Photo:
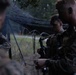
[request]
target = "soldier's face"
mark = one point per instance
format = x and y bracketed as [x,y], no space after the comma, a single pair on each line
[2,18]
[68,14]
[58,26]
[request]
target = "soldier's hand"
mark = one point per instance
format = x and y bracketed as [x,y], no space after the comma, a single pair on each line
[38,50]
[40,62]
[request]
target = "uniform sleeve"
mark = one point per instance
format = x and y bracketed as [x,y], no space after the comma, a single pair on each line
[61,66]
[68,58]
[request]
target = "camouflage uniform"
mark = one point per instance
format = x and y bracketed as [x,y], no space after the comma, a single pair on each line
[53,43]
[66,65]
[7,66]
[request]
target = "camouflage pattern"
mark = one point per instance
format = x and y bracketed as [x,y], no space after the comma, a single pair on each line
[66,64]
[8,66]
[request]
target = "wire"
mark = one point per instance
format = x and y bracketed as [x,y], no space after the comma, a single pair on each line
[16,43]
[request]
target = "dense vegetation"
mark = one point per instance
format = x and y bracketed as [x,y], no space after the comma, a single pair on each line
[42,9]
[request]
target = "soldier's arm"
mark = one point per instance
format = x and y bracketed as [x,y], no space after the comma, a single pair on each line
[61,65]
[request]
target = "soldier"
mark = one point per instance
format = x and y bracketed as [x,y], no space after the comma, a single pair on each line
[54,41]
[7,66]
[66,65]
